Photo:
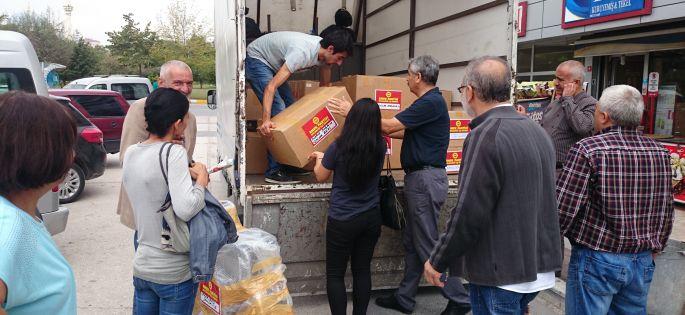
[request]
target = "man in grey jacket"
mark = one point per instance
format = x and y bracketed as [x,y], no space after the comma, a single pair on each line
[505,223]
[569,118]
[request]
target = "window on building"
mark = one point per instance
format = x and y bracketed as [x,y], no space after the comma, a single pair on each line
[671,68]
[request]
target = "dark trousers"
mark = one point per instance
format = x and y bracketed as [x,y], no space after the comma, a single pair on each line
[353,240]
[426,192]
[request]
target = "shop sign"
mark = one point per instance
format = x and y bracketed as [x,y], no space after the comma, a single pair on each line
[521,18]
[586,12]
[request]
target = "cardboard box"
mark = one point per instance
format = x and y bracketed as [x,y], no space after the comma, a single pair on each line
[255,154]
[447,95]
[253,108]
[306,126]
[391,93]
[454,156]
[459,125]
[301,88]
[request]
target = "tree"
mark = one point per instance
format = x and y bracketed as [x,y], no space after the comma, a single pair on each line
[84,61]
[131,45]
[180,24]
[45,33]
[201,60]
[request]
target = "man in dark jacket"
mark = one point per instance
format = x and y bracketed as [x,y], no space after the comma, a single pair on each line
[505,225]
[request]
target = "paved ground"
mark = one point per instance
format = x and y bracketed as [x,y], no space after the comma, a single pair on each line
[100,249]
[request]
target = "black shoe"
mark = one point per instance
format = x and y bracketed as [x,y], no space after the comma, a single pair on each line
[391,302]
[279,177]
[454,308]
[295,171]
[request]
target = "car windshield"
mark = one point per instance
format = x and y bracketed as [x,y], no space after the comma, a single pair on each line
[75,86]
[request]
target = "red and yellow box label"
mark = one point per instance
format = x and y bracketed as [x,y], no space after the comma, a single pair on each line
[210,296]
[459,128]
[453,161]
[320,126]
[389,99]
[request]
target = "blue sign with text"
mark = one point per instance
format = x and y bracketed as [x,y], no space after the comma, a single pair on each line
[579,10]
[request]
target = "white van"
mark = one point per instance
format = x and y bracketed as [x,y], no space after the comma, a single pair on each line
[20,70]
[131,87]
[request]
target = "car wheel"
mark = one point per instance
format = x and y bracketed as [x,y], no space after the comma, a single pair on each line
[73,184]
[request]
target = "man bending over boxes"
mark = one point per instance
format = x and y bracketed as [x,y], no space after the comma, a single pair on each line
[272,58]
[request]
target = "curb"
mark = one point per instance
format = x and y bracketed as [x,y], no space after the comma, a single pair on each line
[198,102]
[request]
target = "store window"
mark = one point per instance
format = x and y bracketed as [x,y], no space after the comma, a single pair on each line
[523,60]
[670,104]
[547,58]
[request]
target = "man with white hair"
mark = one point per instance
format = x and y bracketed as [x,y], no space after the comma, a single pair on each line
[568,118]
[616,207]
[173,74]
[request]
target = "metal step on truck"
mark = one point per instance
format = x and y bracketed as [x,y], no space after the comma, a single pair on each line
[389,32]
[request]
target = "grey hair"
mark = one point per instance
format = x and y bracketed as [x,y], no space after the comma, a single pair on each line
[623,103]
[427,66]
[575,68]
[167,66]
[490,78]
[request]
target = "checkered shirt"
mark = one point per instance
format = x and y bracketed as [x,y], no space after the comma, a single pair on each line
[615,193]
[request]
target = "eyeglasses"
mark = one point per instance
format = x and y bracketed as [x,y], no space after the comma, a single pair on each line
[461,88]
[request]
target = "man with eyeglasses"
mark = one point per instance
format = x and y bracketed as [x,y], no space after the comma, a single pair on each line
[173,74]
[569,118]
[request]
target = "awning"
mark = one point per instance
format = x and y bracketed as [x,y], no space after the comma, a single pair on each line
[608,49]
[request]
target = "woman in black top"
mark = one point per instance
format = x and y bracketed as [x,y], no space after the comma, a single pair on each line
[354,218]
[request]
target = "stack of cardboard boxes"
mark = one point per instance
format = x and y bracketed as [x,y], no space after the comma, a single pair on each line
[459,129]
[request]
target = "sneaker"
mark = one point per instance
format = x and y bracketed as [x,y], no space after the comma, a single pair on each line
[295,171]
[454,308]
[279,177]
[390,302]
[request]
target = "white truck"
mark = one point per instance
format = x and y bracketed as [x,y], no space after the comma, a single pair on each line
[389,33]
[20,70]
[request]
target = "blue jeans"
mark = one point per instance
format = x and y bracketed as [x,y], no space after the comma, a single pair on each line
[608,283]
[496,301]
[259,75]
[168,299]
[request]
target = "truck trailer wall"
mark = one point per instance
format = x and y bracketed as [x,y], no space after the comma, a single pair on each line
[453,32]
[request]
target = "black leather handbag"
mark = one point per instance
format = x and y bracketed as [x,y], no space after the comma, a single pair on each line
[392,208]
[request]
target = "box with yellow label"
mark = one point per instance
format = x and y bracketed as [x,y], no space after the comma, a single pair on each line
[391,93]
[459,125]
[306,126]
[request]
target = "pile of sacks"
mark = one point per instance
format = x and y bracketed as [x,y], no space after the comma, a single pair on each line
[248,276]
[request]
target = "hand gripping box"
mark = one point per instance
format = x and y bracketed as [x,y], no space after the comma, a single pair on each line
[306,126]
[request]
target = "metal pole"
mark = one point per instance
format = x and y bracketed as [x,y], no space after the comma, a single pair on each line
[513,18]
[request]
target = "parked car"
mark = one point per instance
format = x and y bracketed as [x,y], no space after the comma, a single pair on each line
[90,158]
[105,109]
[20,70]
[131,87]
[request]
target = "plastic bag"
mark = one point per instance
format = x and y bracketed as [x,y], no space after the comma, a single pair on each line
[248,276]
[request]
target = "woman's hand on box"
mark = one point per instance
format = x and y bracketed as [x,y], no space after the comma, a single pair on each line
[339,106]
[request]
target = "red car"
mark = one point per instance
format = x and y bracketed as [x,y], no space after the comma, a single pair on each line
[105,109]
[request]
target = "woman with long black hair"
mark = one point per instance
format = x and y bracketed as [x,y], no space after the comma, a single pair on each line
[354,218]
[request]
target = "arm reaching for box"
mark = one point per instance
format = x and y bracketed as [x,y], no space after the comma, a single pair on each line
[279,79]
[390,126]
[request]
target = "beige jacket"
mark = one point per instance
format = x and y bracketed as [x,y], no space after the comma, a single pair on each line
[134,131]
